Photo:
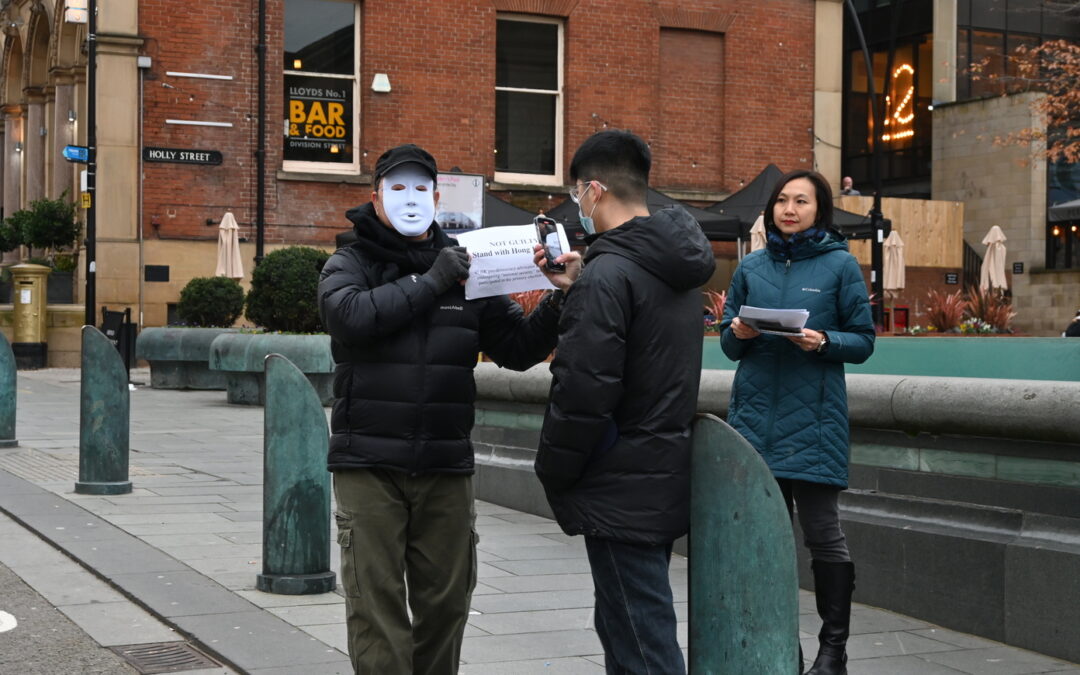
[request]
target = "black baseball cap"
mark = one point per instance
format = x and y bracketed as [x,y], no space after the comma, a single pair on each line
[404,154]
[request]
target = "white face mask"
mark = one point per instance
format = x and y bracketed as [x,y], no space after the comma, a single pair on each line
[411,207]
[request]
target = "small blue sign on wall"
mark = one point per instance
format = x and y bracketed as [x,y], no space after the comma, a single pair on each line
[79,154]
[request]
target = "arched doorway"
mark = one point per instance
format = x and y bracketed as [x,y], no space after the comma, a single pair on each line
[37,97]
[13,112]
[67,75]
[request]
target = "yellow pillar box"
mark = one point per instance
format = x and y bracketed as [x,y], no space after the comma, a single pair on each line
[28,295]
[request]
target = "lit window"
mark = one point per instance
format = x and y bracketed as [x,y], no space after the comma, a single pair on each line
[321,62]
[528,100]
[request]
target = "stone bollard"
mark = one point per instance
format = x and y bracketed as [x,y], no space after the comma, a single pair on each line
[104,418]
[9,380]
[296,485]
[744,593]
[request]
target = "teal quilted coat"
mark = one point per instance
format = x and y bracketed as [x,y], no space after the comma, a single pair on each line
[791,404]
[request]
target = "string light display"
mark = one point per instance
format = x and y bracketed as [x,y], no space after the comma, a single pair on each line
[898,121]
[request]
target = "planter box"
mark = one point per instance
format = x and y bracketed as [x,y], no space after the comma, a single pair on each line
[962,335]
[242,357]
[179,357]
[1012,357]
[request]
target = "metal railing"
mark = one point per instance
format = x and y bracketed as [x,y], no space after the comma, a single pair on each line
[972,267]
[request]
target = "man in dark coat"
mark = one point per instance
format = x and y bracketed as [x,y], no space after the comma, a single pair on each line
[614,454]
[406,341]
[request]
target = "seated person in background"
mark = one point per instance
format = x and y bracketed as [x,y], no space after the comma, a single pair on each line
[847,187]
[1073,329]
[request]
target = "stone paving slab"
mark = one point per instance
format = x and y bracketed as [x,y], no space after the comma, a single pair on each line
[119,623]
[255,639]
[194,517]
[193,603]
[106,616]
[568,666]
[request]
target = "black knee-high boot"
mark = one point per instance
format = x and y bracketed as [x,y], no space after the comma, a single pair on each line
[833,584]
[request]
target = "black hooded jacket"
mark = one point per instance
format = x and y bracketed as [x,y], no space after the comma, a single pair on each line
[614,452]
[403,386]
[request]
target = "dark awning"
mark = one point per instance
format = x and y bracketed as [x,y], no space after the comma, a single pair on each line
[497,212]
[749,203]
[1066,211]
[854,226]
[716,226]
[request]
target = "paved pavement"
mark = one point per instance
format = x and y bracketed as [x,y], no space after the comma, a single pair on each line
[174,563]
[27,618]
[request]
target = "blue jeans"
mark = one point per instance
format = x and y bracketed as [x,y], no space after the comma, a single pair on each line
[635,618]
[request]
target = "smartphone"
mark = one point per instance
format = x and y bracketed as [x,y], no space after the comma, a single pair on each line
[547,233]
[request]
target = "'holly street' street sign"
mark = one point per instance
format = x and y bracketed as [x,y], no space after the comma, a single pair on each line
[182,156]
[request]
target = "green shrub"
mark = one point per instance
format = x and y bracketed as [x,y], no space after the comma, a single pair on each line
[211,301]
[49,224]
[283,292]
[64,262]
[9,237]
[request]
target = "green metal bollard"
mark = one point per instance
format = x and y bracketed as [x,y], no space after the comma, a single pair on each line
[744,592]
[104,418]
[296,485]
[9,379]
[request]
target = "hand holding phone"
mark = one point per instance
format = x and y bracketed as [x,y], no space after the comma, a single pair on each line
[547,234]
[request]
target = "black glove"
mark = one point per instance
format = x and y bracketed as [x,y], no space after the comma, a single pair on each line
[451,266]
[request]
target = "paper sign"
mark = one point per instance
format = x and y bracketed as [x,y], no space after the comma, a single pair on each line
[502,260]
[461,202]
[787,322]
[24,296]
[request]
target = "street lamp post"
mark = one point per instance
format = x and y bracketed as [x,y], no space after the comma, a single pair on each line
[260,144]
[91,164]
[877,238]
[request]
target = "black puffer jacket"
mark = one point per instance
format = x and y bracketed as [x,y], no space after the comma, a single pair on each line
[404,388]
[614,452]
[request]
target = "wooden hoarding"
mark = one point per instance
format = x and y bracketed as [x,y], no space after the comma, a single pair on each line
[933,231]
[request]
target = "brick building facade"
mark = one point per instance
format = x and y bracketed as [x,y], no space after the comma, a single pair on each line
[719,89]
[695,82]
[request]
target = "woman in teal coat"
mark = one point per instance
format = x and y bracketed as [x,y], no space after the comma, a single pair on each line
[789,398]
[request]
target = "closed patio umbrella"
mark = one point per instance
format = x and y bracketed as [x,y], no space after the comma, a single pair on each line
[229,263]
[993,266]
[757,234]
[894,273]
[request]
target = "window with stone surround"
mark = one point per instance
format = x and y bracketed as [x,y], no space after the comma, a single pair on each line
[321,66]
[528,100]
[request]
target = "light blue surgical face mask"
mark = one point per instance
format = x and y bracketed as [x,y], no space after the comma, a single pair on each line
[587,223]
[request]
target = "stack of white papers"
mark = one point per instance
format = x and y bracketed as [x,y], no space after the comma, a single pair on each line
[788,322]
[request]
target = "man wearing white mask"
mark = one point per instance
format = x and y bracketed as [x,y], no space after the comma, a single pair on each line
[405,342]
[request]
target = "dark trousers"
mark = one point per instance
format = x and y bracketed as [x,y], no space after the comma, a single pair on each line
[635,618]
[819,516]
[405,536]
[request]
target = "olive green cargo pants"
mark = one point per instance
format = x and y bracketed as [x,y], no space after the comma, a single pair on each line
[401,537]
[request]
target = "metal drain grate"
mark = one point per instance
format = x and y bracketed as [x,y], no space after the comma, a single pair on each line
[165,657]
